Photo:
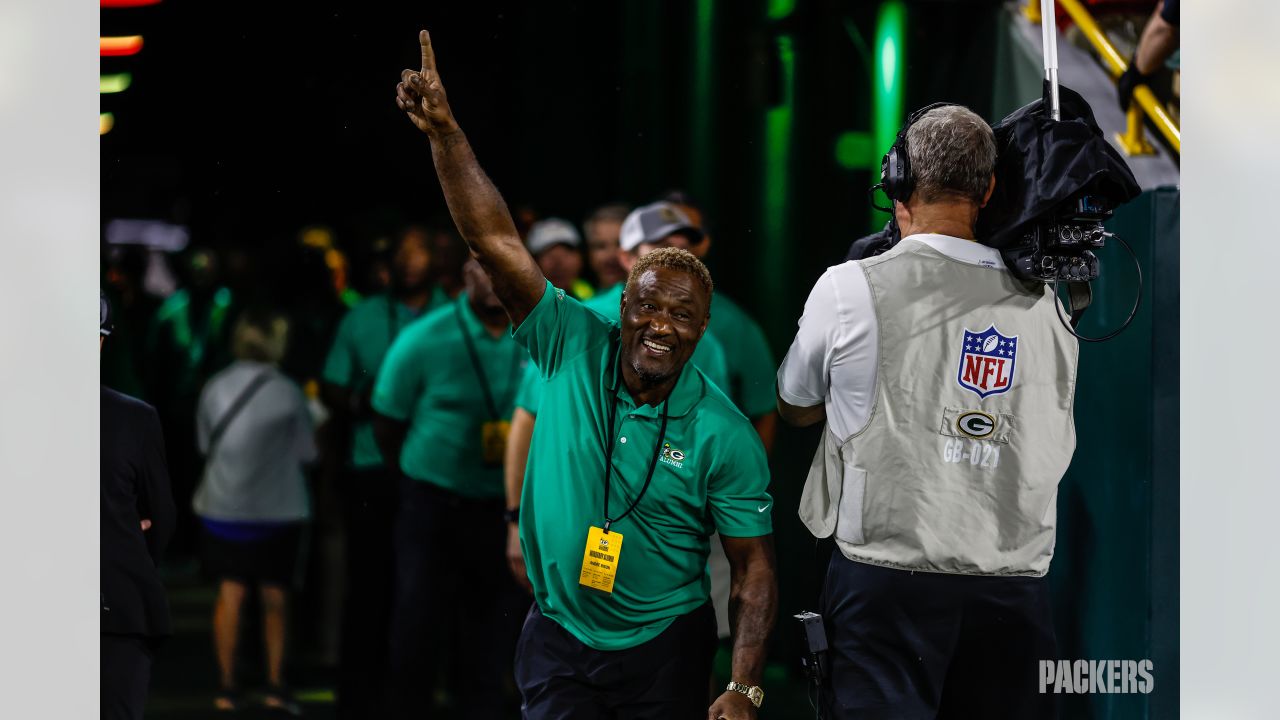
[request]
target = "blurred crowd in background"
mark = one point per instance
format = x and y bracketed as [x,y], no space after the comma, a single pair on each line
[262,366]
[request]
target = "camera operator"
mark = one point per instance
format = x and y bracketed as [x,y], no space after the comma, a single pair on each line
[947,388]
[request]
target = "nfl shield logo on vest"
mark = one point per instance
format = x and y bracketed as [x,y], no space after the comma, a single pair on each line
[987,361]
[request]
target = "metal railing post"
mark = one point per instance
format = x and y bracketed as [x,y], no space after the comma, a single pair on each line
[1133,140]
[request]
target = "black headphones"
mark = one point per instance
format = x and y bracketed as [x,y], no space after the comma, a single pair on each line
[104,314]
[895,168]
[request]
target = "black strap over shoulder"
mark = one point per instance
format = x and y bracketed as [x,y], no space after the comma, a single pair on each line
[236,406]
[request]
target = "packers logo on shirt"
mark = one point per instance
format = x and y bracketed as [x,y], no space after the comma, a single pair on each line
[671,456]
[977,425]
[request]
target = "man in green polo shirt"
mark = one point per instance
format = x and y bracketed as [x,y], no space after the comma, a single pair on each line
[442,402]
[644,230]
[368,489]
[637,459]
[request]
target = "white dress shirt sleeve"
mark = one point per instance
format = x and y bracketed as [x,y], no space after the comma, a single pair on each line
[804,378]
[833,357]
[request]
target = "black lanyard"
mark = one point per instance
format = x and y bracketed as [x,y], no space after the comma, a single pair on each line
[608,458]
[475,364]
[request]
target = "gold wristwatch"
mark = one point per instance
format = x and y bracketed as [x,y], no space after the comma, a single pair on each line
[753,693]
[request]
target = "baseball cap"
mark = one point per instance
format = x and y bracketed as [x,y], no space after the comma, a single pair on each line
[651,223]
[552,231]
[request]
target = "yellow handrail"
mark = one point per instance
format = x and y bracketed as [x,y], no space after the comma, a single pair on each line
[1132,138]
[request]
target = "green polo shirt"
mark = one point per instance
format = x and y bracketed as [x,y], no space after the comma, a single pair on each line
[428,380]
[359,346]
[712,476]
[709,356]
[752,373]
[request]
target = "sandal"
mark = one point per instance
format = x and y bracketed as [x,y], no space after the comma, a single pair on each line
[279,698]
[227,700]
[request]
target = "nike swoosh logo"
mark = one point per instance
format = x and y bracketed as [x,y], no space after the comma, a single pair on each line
[762,508]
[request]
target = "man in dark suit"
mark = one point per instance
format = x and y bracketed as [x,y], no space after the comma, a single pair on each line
[138,518]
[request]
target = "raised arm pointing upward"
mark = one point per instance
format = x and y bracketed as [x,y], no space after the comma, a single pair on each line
[475,204]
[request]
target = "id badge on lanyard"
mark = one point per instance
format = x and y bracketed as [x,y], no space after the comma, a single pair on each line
[600,559]
[604,546]
[493,441]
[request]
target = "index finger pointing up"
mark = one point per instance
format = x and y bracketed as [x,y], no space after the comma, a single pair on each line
[428,55]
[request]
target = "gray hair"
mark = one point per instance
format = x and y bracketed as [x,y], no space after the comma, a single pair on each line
[260,335]
[952,153]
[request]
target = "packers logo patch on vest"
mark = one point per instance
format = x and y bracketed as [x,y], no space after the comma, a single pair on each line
[987,362]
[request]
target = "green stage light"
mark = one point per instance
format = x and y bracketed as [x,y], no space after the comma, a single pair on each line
[703,100]
[886,98]
[854,151]
[779,9]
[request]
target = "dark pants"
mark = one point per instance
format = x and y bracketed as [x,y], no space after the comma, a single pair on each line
[369,500]
[918,646]
[126,672]
[454,598]
[666,678]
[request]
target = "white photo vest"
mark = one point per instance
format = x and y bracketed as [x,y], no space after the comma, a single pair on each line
[971,429]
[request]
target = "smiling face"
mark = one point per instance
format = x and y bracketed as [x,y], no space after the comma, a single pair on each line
[664,314]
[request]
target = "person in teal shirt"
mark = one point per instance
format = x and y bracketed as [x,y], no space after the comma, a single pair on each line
[643,231]
[443,400]
[365,334]
[367,488]
[637,458]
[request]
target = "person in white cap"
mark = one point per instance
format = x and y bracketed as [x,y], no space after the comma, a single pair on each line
[556,246]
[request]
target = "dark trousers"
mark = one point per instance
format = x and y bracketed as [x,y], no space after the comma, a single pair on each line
[126,672]
[918,646]
[666,678]
[454,598]
[369,500]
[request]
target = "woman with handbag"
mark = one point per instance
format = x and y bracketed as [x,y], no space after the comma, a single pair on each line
[256,434]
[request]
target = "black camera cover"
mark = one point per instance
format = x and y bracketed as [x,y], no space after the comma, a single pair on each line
[1042,164]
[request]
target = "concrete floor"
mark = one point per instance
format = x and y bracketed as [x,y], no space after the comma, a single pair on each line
[185,673]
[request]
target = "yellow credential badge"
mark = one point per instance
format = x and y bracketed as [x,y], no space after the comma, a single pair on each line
[600,559]
[493,441]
